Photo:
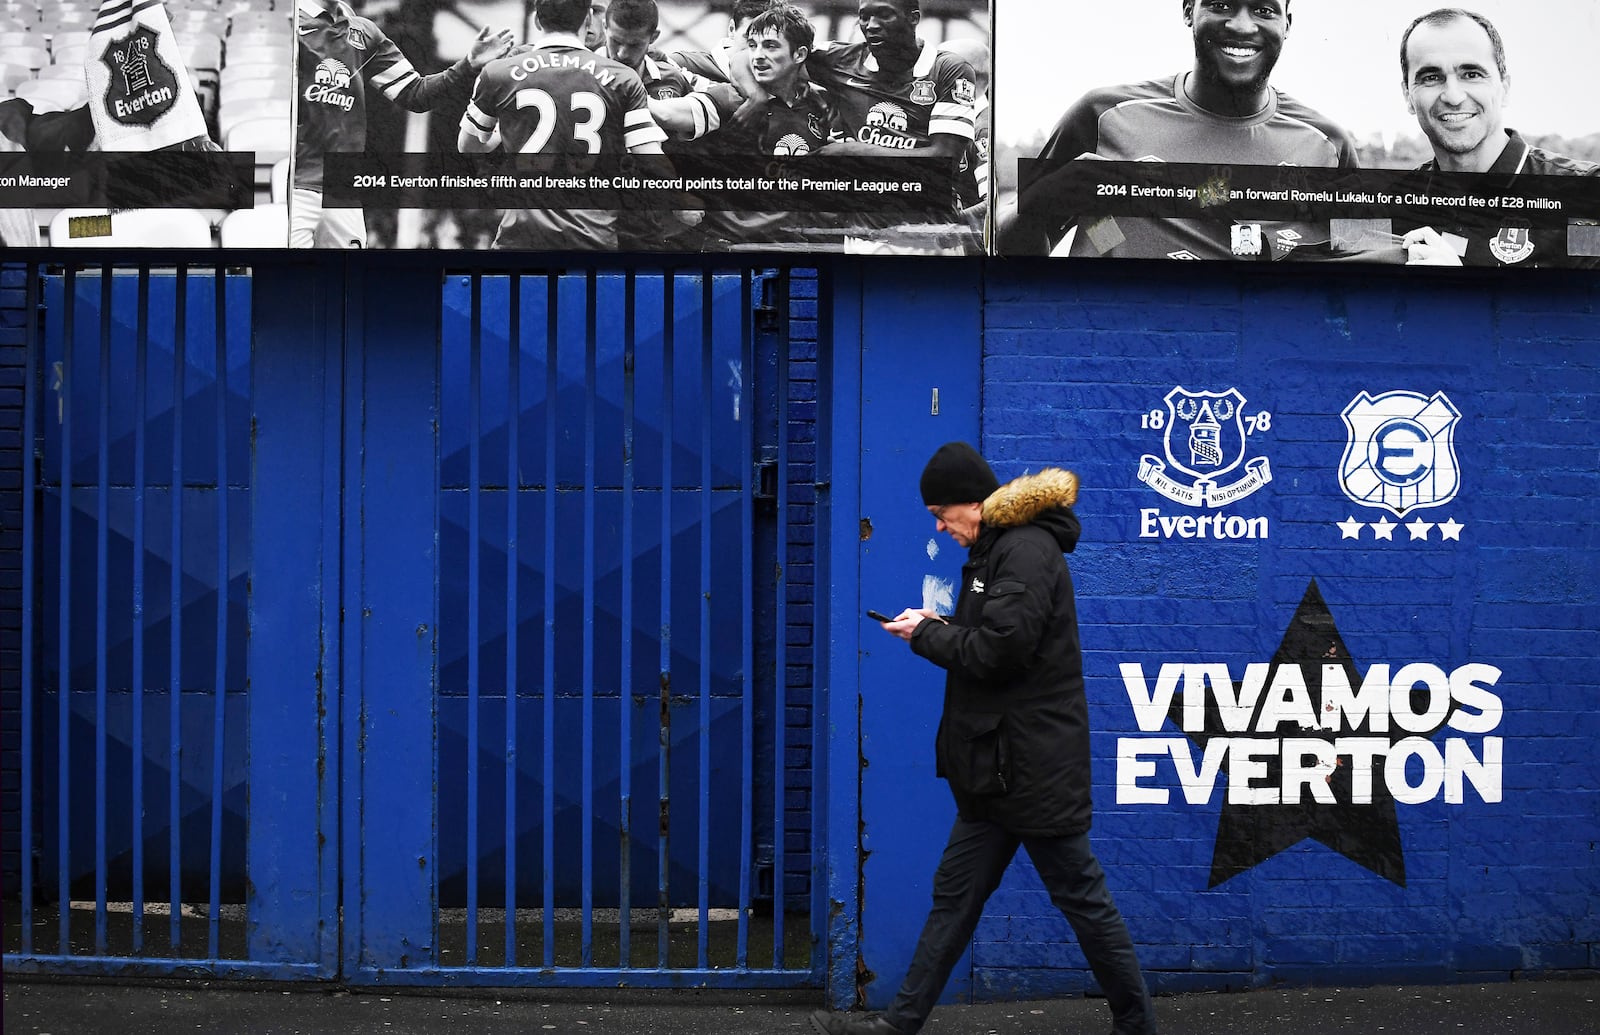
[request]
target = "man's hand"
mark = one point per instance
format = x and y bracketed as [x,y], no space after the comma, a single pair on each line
[490,44]
[905,623]
[1425,246]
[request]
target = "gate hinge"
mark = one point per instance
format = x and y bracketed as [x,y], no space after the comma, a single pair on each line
[766,479]
[764,300]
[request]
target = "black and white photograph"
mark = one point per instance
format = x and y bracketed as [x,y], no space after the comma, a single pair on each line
[1395,132]
[852,126]
[145,123]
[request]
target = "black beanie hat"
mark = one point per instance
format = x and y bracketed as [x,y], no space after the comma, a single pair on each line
[957,474]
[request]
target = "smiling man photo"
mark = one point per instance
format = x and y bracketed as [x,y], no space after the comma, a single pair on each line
[1223,110]
[1453,72]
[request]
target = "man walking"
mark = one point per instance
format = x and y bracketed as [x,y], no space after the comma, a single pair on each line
[1013,741]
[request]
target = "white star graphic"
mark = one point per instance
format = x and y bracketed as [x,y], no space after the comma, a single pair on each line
[1350,528]
[1419,529]
[1451,529]
[1383,528]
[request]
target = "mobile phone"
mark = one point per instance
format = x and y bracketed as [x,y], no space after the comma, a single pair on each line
[878,616]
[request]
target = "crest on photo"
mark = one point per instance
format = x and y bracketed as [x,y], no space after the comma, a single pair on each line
[142,87]
[1512,244]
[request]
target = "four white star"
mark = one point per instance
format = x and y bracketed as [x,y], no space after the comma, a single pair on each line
[1383,528]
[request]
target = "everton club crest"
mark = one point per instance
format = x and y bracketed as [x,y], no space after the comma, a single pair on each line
[1512,244]
[1204,443]
[1400,453]
[142,86]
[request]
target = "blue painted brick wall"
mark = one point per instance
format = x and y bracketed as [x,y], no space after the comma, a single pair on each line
[800,439]
[1077,367]
[13,354]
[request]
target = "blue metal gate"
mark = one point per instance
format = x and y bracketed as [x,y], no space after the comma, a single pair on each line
[488,613]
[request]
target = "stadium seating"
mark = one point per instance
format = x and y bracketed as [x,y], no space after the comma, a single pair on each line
[255,89]
[280,182]
[13,75]
[30,56]
[270,137]
[234,72]
[69,55]
[265,226]
[60,94]
[136,228]
[232,114]
[261,54]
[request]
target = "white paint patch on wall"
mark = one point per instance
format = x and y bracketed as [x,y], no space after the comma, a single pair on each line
[933,548]
[938,594]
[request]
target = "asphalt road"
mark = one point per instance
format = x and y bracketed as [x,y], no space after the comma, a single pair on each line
[52,1007]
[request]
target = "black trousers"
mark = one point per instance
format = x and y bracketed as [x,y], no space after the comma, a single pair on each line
[969,872]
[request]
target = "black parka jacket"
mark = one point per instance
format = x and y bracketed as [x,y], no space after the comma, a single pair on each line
[1013,741]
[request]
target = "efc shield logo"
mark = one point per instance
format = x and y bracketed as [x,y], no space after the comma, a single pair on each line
[1401,452]
[1512,244]
[142,87]
[1205,441]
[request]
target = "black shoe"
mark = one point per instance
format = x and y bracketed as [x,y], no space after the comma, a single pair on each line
[828,1022]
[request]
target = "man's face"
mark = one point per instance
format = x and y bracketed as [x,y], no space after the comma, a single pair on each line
[772,62]
[885,23]
[629,46]
[1237,42]
[1455,89]
[594,22]
[960,521]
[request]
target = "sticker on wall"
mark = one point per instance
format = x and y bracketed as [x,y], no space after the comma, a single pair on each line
[1400,456]
[1205,465]
[1308,746]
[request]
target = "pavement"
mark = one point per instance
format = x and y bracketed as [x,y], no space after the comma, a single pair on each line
[38,1006]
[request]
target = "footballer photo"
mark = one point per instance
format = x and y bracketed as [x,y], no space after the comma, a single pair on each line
[642,125]
[146,124]
[1379,131]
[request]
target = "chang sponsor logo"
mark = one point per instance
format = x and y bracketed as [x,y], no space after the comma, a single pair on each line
[887,125]
[330,85]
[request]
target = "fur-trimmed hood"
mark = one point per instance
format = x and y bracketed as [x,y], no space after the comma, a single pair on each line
[1044,499]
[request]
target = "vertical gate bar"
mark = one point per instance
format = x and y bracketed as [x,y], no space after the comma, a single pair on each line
[625,680]
[703,860]
[29,685]
[588,616]
[551,379]
[180,363]
[141,354]
[102,552]
[780,684]
[513,488]
[747,607]
[664,728]
[64,672]
[220,713]
[474,532]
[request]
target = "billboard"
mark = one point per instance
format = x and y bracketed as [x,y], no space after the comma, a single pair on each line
[1289,130]
[1269,130]
[674,125]
[138,123]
